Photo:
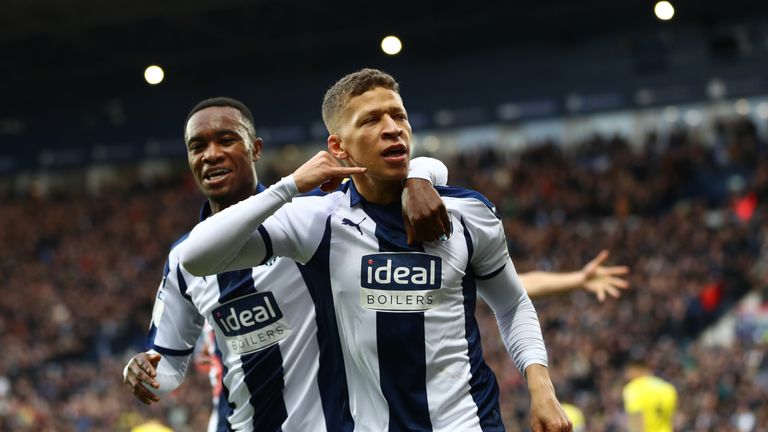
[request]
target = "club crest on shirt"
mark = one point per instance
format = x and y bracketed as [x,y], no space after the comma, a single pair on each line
[251,323]
[159,307]
[406,282]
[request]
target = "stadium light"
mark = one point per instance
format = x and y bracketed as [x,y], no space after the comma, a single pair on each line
[664,10]
[762,110]
[671,114]
[693,117]
[391,45]
[154,74]
[431,143]
[742,107]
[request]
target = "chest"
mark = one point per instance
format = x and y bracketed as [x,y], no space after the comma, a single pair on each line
[371,264]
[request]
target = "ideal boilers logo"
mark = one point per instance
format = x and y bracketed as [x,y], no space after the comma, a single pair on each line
[251,323]
[407,281]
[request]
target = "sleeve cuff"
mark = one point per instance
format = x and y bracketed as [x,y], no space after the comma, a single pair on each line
[429,169]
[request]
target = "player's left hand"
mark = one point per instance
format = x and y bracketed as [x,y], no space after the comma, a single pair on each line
[424,213]
[547,415]
[602,280]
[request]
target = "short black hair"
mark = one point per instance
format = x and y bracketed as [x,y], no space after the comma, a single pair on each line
[222,101]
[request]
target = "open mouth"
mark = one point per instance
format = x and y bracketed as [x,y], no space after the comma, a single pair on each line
[215,174]
[395,151]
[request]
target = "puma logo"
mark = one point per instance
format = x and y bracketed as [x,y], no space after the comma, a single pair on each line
[346,221]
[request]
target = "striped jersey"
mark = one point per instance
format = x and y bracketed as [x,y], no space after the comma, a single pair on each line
[405,313]
[276,377]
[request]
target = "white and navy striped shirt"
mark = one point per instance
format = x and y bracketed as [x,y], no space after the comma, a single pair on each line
[410,341]
[280,372]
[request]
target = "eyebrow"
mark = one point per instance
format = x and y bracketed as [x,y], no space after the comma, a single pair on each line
[377,111]
[217,133]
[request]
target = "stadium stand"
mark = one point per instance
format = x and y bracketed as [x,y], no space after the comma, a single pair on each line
[688,214]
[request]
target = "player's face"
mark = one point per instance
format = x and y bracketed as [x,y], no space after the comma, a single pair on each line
[220,154]
[375,134]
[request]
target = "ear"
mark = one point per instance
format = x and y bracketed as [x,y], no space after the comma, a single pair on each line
[258,143]
[336,148]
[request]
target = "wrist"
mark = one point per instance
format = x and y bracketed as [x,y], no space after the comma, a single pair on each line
[286,188]
[429,169]
[538,379]
[416,180]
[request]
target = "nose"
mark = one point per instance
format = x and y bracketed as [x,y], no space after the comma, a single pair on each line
[212,153]
[391,129]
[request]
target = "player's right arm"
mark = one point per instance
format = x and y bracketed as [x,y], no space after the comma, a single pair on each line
[233,238]
[141,372]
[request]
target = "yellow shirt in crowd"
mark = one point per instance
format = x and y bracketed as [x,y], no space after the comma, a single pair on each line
[654,399]
[576,416]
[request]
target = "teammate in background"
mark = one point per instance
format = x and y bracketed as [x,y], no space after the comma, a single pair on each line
[151,426]
[208,362]
[649,401]
[280,371]
[405,312]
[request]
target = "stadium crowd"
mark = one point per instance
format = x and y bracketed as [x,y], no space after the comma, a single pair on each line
[686,212]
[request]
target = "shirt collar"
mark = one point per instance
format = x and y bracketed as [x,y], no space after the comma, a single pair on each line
[354,195]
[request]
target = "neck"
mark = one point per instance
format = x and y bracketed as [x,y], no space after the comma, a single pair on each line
[638,373]
[220,204]
[378,191]
[244,192]
[217,206]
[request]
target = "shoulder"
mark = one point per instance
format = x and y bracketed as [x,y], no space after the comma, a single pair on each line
[318,199]
[667,386]
[179,241]
[305,212]
[632,388]
[466,198]
[173,253]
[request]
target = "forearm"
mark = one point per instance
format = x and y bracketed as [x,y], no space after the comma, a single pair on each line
[540,284]
[522,336]
[214,244]
[516,318]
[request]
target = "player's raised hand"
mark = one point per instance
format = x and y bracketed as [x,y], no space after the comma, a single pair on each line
[322,170]
[604,280]
[141,371]
[424,213]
